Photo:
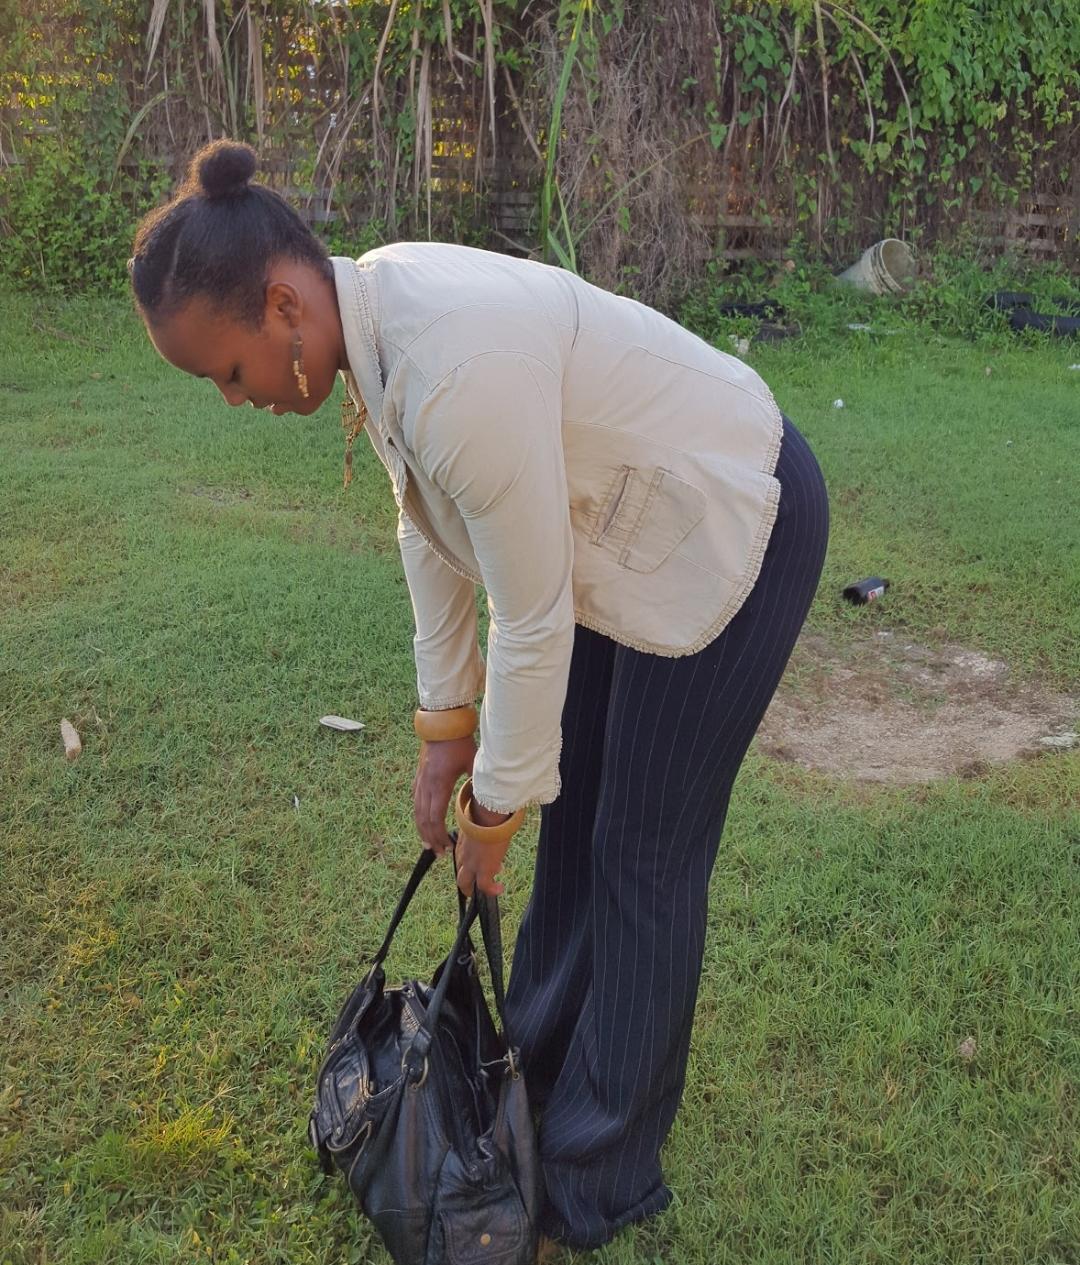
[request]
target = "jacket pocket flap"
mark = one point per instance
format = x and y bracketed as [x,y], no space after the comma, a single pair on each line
[672,509]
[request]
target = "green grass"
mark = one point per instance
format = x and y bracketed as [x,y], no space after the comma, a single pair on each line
[192,586]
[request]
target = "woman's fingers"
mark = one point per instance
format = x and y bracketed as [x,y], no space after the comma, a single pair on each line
[479,864]
[422,815]
[431,819]
[430,802]
[439,767]
[466,879]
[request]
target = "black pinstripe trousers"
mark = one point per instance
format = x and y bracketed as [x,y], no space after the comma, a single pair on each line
[606,967]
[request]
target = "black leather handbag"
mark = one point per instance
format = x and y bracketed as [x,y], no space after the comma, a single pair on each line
[422,1106]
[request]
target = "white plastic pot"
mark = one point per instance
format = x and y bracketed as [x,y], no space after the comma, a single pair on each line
[887,267]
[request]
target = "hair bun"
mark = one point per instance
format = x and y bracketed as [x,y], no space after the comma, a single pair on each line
[222,169]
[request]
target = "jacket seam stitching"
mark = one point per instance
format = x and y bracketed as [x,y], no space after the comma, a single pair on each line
[471,307]
[360,290]
[681,364]
[768,464]
[403,355]
[455,566]
[501,351]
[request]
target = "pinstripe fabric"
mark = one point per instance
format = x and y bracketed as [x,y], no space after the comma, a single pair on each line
[606,967]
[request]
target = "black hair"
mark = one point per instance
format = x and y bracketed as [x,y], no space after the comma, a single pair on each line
[216,239]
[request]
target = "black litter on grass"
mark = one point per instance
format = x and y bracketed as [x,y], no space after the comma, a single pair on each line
[1018,310]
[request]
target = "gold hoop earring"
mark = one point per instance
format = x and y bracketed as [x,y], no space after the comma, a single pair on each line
[298,366]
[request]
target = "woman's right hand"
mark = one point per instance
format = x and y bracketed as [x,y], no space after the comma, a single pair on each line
[440,767]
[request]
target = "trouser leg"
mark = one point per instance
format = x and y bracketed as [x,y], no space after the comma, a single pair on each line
[676,732]
[553,956]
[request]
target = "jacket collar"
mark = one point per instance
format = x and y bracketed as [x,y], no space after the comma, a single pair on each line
[358,304]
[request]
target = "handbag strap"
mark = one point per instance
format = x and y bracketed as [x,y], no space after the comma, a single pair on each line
[491,933]
[416,1055]
[486,908]
[423,864]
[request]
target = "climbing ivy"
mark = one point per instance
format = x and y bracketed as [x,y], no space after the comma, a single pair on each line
[840,118]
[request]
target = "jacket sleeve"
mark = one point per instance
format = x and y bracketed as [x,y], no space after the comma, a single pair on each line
[489,434]
[449,666]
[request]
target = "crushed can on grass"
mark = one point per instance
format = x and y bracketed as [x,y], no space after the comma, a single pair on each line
[868,590]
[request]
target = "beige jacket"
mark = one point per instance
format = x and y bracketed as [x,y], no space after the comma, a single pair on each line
[578,454]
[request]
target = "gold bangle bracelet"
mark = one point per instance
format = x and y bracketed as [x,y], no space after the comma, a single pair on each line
[455,722]
[483,834]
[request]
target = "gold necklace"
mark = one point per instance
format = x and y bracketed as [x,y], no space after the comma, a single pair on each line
[353,418]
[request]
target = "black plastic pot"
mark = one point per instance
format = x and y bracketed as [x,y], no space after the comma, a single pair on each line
[1017,307]
[1007,300]
[1021,318]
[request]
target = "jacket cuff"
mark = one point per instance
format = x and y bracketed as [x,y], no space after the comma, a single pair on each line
[494,803]
[429,703]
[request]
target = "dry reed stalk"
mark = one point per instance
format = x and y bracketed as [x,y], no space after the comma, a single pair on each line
[153,31]
[212,42]
[255,62]
[823,61]
[487,10]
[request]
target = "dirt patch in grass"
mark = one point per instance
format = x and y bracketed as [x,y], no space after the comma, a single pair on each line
[222,496]
[889,709]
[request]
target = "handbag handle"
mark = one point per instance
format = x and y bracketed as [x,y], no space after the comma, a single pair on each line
[415,1058]
[484,907]
[491,932]
[414,1061]
[423,864]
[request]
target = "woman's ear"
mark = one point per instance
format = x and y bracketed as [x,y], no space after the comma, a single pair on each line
[284,302]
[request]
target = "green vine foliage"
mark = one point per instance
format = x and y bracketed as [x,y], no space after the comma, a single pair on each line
[937,101]
[840,120]
[64,215]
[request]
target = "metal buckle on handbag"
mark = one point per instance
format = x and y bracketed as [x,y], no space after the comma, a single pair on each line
[408,1070]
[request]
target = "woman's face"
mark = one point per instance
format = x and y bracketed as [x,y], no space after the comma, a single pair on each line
[255,366]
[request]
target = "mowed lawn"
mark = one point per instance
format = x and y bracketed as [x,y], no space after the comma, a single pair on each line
[886,1055]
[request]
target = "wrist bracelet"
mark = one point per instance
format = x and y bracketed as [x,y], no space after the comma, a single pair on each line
[455,722]
[483,834]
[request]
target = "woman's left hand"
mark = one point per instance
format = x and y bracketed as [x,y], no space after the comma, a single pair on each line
[478,862]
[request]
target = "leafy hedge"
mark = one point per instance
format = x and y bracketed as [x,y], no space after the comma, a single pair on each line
[648,135]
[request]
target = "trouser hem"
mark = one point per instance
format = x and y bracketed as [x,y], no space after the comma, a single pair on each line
[556,1228]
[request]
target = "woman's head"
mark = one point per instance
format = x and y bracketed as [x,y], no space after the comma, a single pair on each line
[233,286]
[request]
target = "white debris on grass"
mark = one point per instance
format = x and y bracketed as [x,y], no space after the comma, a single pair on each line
[341,723]
[72,741]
